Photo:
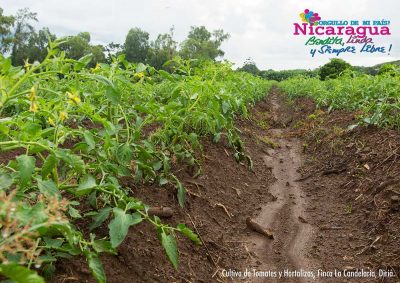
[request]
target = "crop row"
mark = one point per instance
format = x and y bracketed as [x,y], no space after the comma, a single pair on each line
[375,98]
[68,133]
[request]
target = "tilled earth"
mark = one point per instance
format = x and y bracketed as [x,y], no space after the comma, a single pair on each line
[328,194]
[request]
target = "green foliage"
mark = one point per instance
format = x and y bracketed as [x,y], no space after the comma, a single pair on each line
[202,44]
[390,69]
[286,74]
[6,23]
[96,267]
[162,50]
[333,69]
[189,233]
[27,45]
[250,67]
[120,224]
[169,244]
[81,129]
[22,32]
[376,98]
[35,47]
[78,46]
[20,274]
[136,45]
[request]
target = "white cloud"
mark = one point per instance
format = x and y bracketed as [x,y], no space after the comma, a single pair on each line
[260,29]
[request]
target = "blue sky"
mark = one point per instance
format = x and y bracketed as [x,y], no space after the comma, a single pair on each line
[260,29]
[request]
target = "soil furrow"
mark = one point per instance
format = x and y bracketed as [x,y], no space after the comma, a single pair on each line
[286,215]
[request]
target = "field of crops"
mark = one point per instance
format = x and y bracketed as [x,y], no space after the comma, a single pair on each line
[375,98]
[68,133]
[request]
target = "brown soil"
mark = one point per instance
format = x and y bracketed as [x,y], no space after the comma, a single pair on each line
[284,216]
[351,180]
[219,201]
[330,196]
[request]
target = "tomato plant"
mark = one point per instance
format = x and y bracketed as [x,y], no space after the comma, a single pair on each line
[375,97]
[74,131]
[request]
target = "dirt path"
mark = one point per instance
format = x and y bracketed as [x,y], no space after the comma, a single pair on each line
[344,215]
[286,215]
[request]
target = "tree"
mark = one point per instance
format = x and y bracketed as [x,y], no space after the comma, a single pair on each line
[163,49]
[250,66]
[35,49]
[22,31]
[333,69]
[202,44]
[136,45]
[113,49]
[6,23]
[79,45]
[390,69]
[287,74]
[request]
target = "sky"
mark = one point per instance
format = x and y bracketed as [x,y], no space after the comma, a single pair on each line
[260,29]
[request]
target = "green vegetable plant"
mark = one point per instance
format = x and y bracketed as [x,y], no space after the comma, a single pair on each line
[375,98]
[71,132]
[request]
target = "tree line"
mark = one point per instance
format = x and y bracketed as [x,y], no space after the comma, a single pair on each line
[331,70]
[23,42]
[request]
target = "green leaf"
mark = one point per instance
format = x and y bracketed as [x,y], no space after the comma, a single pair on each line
[367,120]
[89,140]
[26,167]
[4,129]
[74,213]
[83,62]
[119,226]
[124,154]
[217,137]
[96,267]
[30,130]
[101,246]
[140,68]
[101,216]
[169,244]
[86,186]
[49,164]
[113,94]
[189,233]
[5,181]
[166,75]
[225,107]
[20,274]
[72,160]
[48,188]
[163,181]
[194,96]
[157,165]
[53,243]
[181,194]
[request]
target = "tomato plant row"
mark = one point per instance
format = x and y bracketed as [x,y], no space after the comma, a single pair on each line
[69,133]
[375,98]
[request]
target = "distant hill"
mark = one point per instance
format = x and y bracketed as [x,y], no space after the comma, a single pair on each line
[391,62]
[373,70]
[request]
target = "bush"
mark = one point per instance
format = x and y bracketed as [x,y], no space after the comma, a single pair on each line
[333,69]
